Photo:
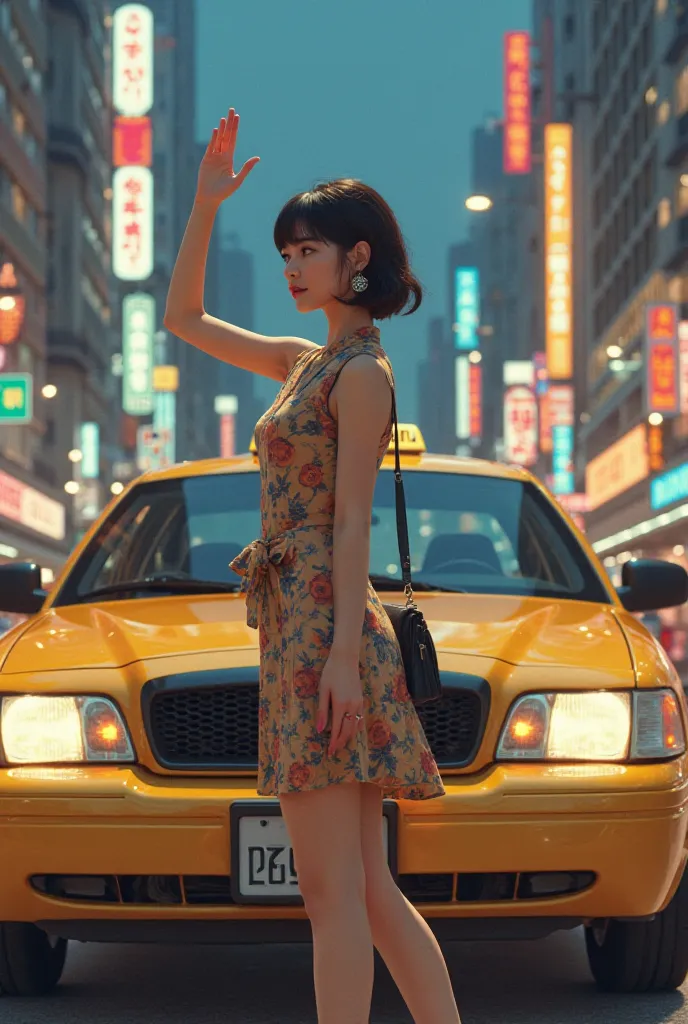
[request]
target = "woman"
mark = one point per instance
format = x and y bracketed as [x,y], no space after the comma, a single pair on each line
[337,728]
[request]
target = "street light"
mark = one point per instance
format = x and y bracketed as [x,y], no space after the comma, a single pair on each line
[75,455]
[71,487]
[655,418]
[116,487]
[614,351]
[478,203]
[11,305]
[48,390]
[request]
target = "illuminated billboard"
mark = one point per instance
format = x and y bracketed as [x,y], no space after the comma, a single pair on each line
[622,465]
[467,307]
[462,397]
[132,60]
[138,328]
[132,223]
[662,359]
[517,114]
[132,142]
[475,400]
[558,252]
[520,425]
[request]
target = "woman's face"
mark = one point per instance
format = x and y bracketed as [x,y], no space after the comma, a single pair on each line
[312,270]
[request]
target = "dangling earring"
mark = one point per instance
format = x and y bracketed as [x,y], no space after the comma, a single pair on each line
[359,283]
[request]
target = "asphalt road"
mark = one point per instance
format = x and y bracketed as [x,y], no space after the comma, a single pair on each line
[545,982]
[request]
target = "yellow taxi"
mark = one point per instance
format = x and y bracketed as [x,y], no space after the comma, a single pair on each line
[128,731]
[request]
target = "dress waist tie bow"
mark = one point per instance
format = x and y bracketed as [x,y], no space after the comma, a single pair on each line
[261,564]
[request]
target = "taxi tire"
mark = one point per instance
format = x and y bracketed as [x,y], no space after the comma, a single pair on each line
[30,964]
[643,956]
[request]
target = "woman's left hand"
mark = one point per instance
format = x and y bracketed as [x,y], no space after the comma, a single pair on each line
[340,686]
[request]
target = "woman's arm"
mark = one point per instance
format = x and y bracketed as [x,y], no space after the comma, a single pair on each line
[361,401]
[185,315]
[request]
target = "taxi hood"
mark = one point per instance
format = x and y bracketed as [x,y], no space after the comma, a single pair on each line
[517,630]
[117,633]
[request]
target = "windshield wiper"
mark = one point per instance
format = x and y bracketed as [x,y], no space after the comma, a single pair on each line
[176,584]
[381,582]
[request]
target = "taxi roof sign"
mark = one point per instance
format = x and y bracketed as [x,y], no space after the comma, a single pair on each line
[411,441]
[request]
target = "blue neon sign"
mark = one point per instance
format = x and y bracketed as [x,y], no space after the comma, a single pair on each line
[669,487]
[562,459]
[467,307]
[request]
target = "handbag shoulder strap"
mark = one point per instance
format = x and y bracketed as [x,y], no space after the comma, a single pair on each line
[402,522]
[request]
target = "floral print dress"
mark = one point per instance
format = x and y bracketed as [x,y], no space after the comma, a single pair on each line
[287,580]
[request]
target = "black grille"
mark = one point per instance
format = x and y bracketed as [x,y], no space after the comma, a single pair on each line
[206,727]
[215,725]
[453,726]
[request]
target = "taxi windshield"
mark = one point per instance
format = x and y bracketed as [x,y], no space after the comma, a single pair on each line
[468,533]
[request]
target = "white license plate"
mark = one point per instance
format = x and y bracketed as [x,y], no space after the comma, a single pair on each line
[263,867]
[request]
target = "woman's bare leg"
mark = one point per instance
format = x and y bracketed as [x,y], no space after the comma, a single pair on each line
[325,831]
[401,936]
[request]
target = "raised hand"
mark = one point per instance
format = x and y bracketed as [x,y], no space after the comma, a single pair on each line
[216,177]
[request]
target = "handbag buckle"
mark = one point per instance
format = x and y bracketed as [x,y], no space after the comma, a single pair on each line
[410,602]
[422,649]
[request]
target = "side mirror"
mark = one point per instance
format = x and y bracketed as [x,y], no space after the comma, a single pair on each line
[20,588]
[650,583]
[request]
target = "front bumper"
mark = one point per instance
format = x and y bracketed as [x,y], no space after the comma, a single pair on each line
[627,824]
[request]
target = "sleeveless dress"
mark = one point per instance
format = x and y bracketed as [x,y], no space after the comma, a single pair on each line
[287,580]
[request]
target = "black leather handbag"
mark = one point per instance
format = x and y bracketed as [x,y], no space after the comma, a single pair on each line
[417,647]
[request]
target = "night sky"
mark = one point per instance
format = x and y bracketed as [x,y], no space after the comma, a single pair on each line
[383,90]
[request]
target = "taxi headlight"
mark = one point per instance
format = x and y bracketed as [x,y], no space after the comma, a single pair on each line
[49,730]
[600,726]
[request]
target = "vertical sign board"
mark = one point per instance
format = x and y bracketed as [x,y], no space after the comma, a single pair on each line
[138,327]
[683,364]
[558,252]
[541,393]
[132,223]
[475,400]
[89,443]
[165,422]
[662,359]
[132,181]
[520,425]
[227,436]
[462,398]
[467,307]
[561,417]
[517,113]
[132,59]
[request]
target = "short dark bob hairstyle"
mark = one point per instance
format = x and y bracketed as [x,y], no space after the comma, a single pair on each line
[344,212]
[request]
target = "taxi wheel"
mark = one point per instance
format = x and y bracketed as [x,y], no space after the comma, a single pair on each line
[642,956]
[31,962]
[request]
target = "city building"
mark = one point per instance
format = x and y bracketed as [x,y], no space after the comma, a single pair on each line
[497,249]
[621,80]
[236,305]
[34,522]
[436,412]
[185,413]
[80,340]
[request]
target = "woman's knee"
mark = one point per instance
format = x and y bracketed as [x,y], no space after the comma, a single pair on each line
[329,890]
[324,827]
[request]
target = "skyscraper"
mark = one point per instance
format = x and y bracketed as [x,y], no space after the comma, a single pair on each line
[236,305]
[435,389]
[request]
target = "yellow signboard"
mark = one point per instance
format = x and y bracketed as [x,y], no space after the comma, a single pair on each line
[558,251]
[623,464]
[165,378]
